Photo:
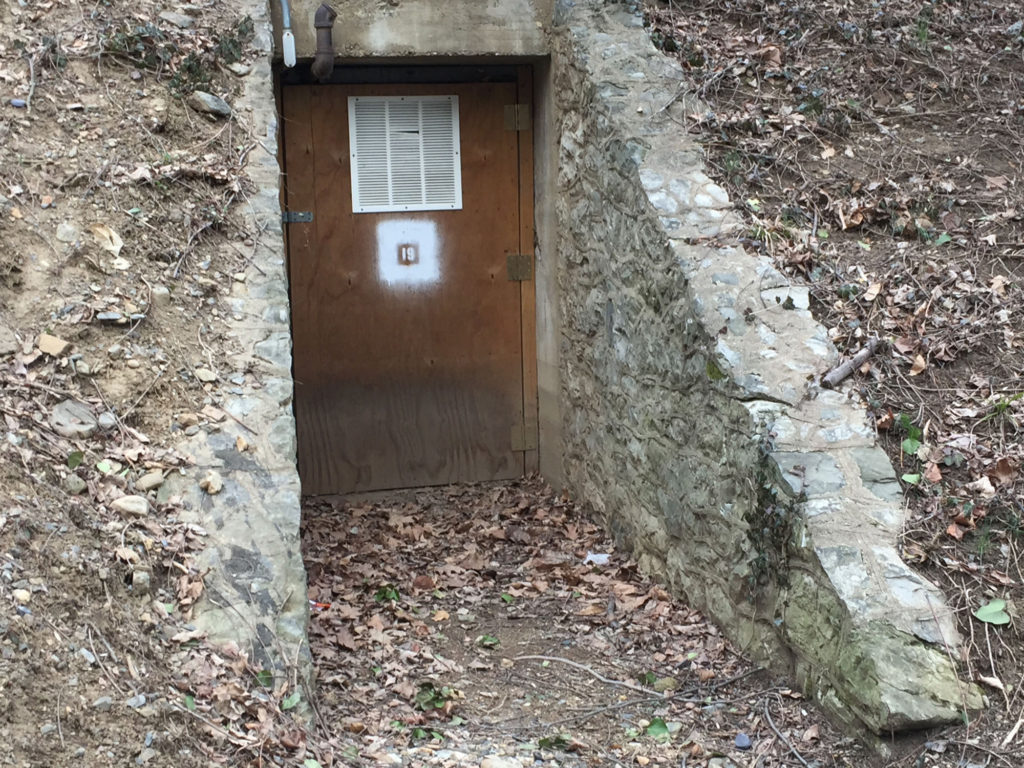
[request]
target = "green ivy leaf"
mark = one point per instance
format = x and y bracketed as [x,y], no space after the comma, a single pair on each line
[558,741]
[309,762]
[657,729]
[265,678]
[910,446]
[190,703]
[944,238]
[911,478]
[291,701]
[993,612]
[75,458]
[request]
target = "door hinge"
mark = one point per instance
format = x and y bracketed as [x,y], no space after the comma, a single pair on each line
[296,217]
[524,436]
[520,267]
[517,117]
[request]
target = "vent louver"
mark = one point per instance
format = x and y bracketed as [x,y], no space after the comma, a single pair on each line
[405,153]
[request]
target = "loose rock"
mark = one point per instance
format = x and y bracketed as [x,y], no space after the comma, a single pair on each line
[73,419]
[201,101]
[131,506]
[141,582]
[54,346]
[8,341]
[150,481]
[205,375]
[494,761]
[177,19]
[161,295]
[68,232]
[212,483]
[75,485]
[103,703]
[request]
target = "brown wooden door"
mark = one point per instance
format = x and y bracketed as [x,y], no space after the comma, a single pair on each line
[409,384]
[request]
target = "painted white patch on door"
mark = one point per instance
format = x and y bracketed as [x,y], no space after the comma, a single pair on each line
[408,252]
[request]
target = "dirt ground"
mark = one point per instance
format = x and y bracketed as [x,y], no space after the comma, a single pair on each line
[120,239]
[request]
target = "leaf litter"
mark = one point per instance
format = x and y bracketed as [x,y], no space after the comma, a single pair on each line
[455,622]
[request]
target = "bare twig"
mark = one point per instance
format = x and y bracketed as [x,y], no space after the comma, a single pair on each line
[31,82]
[99,661]
[841,371]
[782,737]
[589,671]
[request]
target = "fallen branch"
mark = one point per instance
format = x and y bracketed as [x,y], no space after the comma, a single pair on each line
[782,737]
[843,370]
[588,670]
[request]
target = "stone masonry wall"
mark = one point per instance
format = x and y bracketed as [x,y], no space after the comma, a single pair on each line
[256,584]
[692,422]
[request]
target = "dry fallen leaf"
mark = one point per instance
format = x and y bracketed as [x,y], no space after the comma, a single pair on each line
[932,473]
[771,55]
[992,682]
[998,285]
[983,487]
[904,345]
[872,292]
[885,421]
[423,581]
[1003,472]
[955,531]
[107,238]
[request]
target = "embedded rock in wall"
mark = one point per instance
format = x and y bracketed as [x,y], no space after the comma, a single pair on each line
[693,423]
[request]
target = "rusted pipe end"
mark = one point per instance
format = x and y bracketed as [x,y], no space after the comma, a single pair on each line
[323,59]
[324,16]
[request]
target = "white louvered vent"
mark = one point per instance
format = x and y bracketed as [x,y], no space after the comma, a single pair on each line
[405,153]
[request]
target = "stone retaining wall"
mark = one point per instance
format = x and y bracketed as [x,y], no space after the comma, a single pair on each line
[256,584]
[692,420]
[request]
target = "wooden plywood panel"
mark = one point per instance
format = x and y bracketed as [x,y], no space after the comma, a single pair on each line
[406,373]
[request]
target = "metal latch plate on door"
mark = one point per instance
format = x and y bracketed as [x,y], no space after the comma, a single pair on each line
[520,266]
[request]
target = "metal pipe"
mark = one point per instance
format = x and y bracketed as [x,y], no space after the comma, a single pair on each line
[323,59]
[287,38]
